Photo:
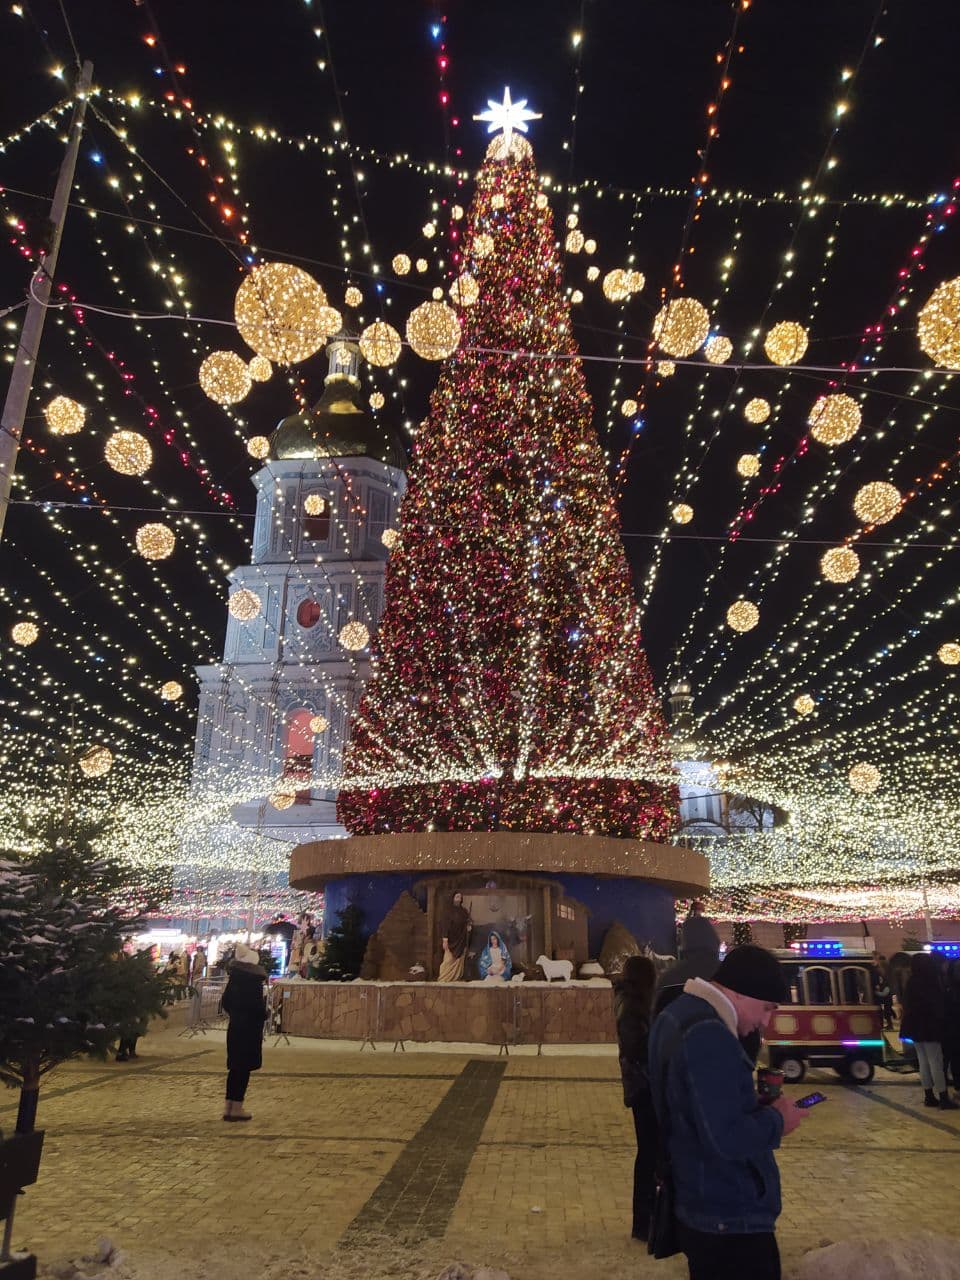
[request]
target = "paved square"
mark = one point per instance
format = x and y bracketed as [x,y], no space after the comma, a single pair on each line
[389,1164]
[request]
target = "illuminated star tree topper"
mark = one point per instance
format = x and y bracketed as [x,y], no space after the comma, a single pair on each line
[506,116]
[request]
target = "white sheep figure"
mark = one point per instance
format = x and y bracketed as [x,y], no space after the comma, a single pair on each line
[556,968]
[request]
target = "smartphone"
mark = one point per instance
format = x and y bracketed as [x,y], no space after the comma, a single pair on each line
[810,1100]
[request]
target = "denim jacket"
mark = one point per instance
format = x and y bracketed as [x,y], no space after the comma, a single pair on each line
[719,1137]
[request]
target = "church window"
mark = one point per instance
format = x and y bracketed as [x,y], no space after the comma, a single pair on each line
[309,613]
[298,752]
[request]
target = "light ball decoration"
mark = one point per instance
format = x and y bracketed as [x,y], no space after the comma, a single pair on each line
[429,230]
[314,504]
[575,241]
[389,538]
[637,280]
[576,296]
[748,464]
[225,378]
[283,799]
[541,200]
[244,605]
[840,564]
[331,319]
[877,502]
[666,368]
[96,761]
[803,704]
[786,342]
[681,327]
[757,410]
[155,541]
[590,246]
[718,349]
[377,400]
[353,297]
[401,264]
[628,408]
[258,447]
[743,615]
[573,219]
[433,330]
[65,417]
[864,778]
[354,636]
[834,419]
[938,325]
[482,245]
[421,265]
[260,369]
[24,633]
[380,344]
[171,691]
[128,452]
[593,272]
[319,724]
[949,654]
[282,313]
[682,513]
[617,285]
[456,212]
[465,291]
[436,293]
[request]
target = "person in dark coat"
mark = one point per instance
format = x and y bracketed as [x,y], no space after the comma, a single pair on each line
[924,1022]
[951,1041]
[633,1006]
[246,1008]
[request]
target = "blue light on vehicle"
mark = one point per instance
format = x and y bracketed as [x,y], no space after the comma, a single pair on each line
[943,948]
[818,947]
[854,1044]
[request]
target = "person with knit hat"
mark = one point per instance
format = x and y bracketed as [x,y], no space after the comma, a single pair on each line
[718,1137]
[246,1008]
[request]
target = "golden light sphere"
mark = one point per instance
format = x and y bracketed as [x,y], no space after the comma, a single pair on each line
[786,342]
[314,504]
[573,220]
[482,245]
[803,704]
[128,452]
[429,230]
[589,246]
[748,464]
[421,264]
[877,502]
[840,564]
[244,604]
[96,761]
[637,280]
[24,633]
[401,264]
[681,327]
[949,654]
[575,241]
[353,297]
[617,284]
[834,419]
[576,296]
[743,615]
[354,636]
[682,513]
[456,212]
[938,325]
[319,724]
[593,272]
[281,312]
[155,541]
[541,200]
[628,408]
[465,291]
[65,417]
[718,349]
[283,799]
[666,368]
[757,410]
[260,369]
[171,691]
[389,538]
[258,447]
[864,778]
[380,344]
[225,378]
[377,400]
[331,319]
[433,330]
[436,293]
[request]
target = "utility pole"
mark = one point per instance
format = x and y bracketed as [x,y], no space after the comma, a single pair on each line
[21,380]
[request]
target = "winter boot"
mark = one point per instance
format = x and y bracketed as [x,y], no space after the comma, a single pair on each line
[947,1103]
[929,1098]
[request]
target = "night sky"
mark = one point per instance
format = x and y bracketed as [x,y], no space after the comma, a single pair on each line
[648,74]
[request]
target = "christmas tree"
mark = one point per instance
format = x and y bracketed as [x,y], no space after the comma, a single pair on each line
[510,687]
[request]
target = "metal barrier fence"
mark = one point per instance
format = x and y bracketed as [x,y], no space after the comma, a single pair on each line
[205,1011]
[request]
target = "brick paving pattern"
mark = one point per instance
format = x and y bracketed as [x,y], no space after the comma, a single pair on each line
[390,1164]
